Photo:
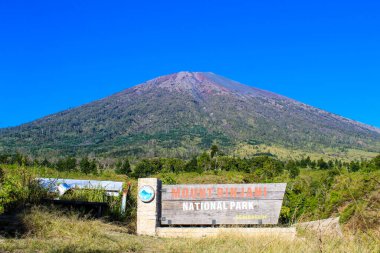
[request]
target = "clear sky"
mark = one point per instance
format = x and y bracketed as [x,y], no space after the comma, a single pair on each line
[56,55]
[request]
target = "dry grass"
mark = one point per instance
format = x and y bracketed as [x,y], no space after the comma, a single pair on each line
[246,150]
[52,231]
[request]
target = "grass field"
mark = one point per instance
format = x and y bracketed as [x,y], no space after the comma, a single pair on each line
[246,150]
[54,231]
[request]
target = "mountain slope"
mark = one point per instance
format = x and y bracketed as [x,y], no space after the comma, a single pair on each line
[187,112]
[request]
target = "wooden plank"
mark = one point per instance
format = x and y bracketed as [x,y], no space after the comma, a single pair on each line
[222,204]
[265,212]
[225,191]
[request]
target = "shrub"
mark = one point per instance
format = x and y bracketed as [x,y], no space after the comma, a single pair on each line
[18,187]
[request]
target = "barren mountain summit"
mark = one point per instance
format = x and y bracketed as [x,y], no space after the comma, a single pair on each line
[204,82]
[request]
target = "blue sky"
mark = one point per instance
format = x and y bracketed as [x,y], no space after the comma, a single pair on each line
[56,55]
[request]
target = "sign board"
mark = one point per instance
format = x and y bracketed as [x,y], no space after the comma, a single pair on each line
[212,204]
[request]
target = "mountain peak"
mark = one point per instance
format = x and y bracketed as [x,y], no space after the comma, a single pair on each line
[185,81]
[187,75]
[204,83]
[183,76]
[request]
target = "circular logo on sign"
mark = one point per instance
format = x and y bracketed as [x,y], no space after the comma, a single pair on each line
[146,193]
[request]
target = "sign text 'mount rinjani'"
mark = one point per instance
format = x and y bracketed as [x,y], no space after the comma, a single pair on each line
[206,204]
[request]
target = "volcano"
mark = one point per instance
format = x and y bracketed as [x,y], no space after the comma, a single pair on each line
[185,113]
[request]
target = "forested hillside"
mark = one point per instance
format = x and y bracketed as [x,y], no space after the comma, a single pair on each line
[182,114]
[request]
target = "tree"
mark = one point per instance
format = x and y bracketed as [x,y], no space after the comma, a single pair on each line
[303,163]
[84,165]
[93,167]
[146,167]
[192,166]
[354,166]
[308,161]
[227,163]
[376,162]
[272,168]
[18,159]
[330,164]
[45,163]
[173,165]
[67,164]
[293,169]
[322,164]
[214,150]
[88,167]
[3,158]
[2,174]
[71,164]
[204,161]
[313,165]
[123,167]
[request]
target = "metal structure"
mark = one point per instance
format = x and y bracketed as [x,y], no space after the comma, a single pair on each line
[62,185]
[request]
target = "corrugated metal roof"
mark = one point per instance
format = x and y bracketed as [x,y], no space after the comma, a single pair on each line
[52,184]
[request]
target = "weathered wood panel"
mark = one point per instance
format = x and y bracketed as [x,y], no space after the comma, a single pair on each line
[221,204]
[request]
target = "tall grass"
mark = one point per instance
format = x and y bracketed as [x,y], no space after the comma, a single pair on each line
[55,231]
[18,187]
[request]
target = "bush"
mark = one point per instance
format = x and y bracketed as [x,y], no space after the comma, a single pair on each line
[18,188]
[347,213]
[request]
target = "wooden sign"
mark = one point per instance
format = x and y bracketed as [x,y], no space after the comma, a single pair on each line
[211,204]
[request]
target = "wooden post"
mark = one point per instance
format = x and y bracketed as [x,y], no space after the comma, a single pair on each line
[124,199]
[148,205]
